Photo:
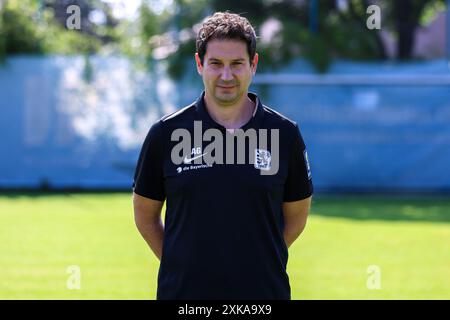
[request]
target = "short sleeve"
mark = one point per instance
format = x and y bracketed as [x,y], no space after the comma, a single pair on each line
[298,183]
[148,177]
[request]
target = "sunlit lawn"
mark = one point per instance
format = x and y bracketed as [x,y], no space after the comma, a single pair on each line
[42,235]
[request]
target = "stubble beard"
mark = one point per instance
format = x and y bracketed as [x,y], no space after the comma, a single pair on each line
[225,98]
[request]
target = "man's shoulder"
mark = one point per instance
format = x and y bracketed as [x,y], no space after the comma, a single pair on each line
[177,119]
[276,119]
[183,114]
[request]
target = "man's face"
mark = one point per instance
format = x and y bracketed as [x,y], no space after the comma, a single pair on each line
[226,70]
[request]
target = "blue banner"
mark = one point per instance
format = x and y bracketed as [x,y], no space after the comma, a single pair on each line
[70,122]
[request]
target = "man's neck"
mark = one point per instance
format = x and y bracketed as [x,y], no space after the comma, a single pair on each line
[233,116]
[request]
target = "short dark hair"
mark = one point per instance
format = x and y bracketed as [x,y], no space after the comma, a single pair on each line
[226,25]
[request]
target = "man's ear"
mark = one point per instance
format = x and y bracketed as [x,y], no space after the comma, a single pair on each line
[255,63]
[198,63]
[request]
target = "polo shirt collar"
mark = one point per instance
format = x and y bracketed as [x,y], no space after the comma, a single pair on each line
[255,122]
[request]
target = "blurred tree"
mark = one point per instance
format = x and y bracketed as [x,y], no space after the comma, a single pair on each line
[139,36]
[405,16]
[283,28]
[96,20]
[18,31]
[340,33]
[341,29]
[182,31]
[39,27]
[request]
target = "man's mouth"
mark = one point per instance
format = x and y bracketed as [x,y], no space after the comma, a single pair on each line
[226,87]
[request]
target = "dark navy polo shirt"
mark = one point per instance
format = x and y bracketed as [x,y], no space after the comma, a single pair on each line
[223,234]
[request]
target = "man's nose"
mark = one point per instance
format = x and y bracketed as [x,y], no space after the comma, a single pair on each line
[226,74]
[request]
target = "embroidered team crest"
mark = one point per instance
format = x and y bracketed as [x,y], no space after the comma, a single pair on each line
[263,159]
[308,168]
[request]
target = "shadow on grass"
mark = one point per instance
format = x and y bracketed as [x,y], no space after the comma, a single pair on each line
[357,207]
[377,207]
[13,194]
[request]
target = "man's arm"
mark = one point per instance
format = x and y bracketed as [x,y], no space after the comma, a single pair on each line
[295,216]
[147,216]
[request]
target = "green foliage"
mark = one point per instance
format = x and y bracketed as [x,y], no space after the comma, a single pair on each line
[19,33]
[429,12]
[186,15]
[57,40]
[341,34]
[136,38]
[148,23]
[38,27]
[349,39]
[317,51]
[28,28]
[177,61]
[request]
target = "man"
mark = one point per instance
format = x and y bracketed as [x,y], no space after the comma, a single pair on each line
[228,223]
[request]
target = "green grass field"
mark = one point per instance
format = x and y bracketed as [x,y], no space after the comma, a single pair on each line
[42,235]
